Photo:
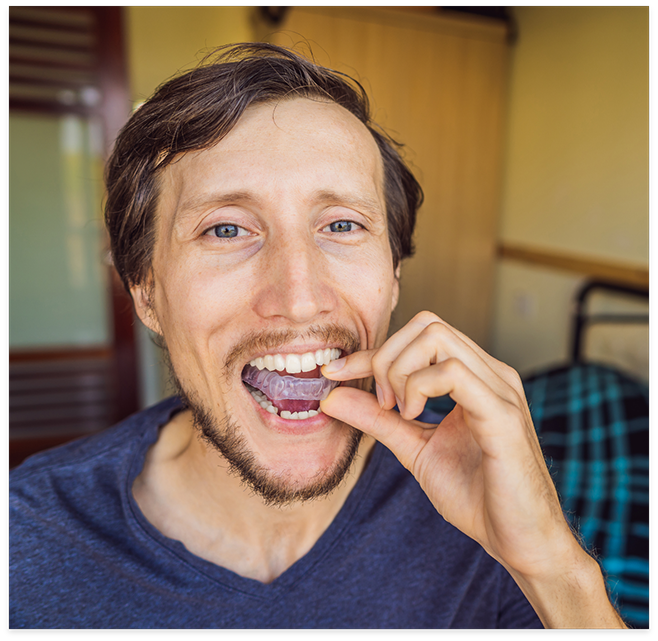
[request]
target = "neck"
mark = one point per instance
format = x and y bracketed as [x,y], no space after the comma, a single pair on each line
[187,491]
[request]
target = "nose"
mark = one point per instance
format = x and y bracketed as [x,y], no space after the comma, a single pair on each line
[295,283]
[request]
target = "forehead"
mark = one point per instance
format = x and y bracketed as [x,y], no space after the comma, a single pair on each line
[316,123]
[308,145]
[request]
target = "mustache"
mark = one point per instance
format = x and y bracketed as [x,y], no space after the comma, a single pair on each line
[267,341]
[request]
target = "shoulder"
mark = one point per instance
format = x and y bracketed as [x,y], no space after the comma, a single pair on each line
[75,452]
[72,469]
[69,517]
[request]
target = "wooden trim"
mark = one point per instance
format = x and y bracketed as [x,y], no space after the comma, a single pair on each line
[607,270]
[113,71]
[59,354]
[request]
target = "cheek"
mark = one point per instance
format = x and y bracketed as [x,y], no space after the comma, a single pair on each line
[369,287]
[197,301]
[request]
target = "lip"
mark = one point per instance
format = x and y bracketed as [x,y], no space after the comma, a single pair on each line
[291,427]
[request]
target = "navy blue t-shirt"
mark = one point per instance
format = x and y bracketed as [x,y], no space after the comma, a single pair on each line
[82,555]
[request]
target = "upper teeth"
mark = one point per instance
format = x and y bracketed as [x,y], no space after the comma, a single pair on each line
[295,363]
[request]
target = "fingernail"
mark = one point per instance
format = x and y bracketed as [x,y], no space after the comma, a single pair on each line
[380,395]
[334,366]
[400,405]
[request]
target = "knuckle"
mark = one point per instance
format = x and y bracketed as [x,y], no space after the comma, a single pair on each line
[452,366]
[379,363]
[397,379]
[436,331]
[425,317]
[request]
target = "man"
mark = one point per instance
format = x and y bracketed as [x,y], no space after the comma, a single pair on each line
[259,218]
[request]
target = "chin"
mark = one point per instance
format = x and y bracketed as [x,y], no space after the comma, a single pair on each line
[281,468]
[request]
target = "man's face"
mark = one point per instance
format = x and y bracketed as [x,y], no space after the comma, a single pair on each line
[272,242]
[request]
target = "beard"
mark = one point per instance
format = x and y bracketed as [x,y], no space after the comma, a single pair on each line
[225,436]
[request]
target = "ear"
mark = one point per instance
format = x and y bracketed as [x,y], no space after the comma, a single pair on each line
[142,298]
[396,289]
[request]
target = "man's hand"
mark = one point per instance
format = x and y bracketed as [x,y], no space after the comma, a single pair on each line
[482,466]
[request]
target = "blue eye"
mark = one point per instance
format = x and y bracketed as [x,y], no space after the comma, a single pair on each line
[341,226]
[227,230]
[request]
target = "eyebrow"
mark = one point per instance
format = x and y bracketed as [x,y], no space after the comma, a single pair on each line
[215,199]
[352,200]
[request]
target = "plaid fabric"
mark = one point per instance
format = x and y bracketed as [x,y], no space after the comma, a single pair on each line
[593,425]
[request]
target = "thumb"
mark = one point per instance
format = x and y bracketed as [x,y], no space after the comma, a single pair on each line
[361,410]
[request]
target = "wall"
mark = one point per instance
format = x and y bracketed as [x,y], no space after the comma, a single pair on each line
[576,169]
[162,41]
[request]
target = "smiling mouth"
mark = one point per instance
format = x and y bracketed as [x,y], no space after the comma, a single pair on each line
[290,385]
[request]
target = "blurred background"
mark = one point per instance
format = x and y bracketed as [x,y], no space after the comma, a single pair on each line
[527,127]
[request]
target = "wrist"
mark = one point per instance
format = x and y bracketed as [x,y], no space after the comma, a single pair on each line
[572,594]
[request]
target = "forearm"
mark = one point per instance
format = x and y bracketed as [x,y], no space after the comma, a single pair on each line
[575,597]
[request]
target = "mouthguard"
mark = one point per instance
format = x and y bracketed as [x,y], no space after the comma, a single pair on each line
[278,388]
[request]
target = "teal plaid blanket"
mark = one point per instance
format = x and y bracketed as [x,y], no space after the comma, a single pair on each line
[593,425]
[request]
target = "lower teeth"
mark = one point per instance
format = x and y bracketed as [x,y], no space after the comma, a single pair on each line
[268,406]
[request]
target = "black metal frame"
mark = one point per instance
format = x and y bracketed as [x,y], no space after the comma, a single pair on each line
[582,320]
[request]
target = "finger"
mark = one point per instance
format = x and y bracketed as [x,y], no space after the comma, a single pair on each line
[428,382]
[504,371]
[375,362]
[507,373]
[391,349]
[478,401]
[437,342]
[356,365]
[361,410]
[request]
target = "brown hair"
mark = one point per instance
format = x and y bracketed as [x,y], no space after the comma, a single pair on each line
[196,110]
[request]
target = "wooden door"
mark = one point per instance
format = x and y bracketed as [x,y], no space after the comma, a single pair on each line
[437,84]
